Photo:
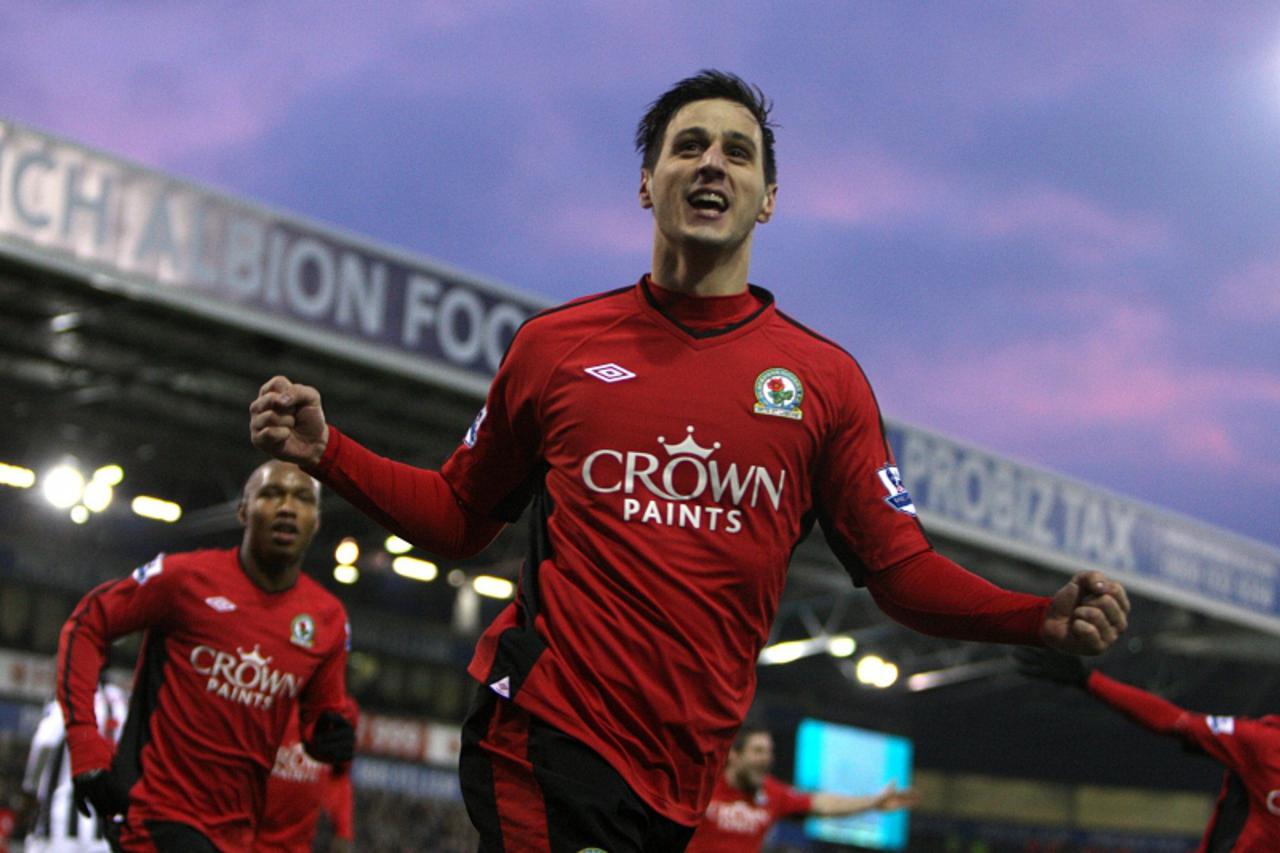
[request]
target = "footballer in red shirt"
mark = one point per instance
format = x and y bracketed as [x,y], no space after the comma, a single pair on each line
[238,642]
[747,801]
[300,789]
[676,439]
[1246,818]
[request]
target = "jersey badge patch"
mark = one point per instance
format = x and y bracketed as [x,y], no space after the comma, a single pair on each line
[1222,725]
[220,603]
[610,372]
[779,392]
[899,498]
[502,687]
[470,438]
[144,573]
[303,631]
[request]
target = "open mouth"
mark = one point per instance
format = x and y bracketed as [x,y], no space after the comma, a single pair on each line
[709,201]
[284,532]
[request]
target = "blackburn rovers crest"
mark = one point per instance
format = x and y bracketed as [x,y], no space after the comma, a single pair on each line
[779,392]
[303,631]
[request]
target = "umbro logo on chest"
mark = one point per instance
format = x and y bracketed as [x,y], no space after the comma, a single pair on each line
[610,372]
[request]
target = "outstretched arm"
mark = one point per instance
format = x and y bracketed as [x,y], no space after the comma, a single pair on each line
[1145,709]
[840,805]
[936,596]
[288,422]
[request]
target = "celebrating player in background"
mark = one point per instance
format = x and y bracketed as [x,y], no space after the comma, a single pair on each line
[678,437]
[1247,816]
[55,825]
[300,789]
[747,800]
[236,640]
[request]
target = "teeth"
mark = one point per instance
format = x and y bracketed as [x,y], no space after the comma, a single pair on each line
[711,198]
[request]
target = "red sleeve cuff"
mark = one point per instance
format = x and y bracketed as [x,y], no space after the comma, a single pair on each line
[89,749]
[321,468]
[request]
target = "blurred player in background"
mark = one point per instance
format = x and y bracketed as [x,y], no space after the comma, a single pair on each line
[747,800]
[237,640]
[300,789]
[54,823]
[1247,814]
[678,438]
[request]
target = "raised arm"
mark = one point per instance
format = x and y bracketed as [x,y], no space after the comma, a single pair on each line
[288,422]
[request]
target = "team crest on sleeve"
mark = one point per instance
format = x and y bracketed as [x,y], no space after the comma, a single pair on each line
[146,572]
[303,631]
[470,438]
[1222,725]
[779,392]
[898,498]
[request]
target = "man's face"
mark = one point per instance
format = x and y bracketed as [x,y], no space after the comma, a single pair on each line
[280,512]
[750,764]
[707,187]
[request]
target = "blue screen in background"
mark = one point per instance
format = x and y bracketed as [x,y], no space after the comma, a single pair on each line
[838,759]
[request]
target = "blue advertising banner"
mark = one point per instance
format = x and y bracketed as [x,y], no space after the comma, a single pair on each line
[125,228]
[979,497]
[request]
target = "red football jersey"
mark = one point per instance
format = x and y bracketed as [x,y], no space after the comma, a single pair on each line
[677,470]
[225,665]
[676,450]
[737,821]
[299,788]
[1247,816]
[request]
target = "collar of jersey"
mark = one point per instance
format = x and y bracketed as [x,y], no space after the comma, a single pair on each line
[703,337]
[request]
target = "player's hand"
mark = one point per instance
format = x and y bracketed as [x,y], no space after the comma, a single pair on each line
[891,799]
[1048,665]
[98,788]
[1086,616]
[333,739]
[287,422]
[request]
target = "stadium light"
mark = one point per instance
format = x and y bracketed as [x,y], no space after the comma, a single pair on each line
[456,577]
[789,650]
[79,514]
[347,552]
[396,545]
[16,476]
[841,646]
[156,509]
[62,486]
[415,569]
[876,671]
[492,587]
[346,574]
[97,495]
[112,475]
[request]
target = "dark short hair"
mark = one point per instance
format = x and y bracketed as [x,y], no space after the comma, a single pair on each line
[705,85]
[747,729]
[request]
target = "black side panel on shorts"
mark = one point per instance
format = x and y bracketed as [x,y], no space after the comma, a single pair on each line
[1229,822]
[149,675]
[475,772]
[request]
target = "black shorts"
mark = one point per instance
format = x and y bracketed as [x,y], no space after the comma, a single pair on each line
[530,788]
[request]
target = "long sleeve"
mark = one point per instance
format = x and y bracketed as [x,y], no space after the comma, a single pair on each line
[935,596]
[1145,709]
[416,504]
[112,610]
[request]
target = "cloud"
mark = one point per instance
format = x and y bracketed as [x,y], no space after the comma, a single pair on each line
[1120,373]
[1251,294]
[864,187]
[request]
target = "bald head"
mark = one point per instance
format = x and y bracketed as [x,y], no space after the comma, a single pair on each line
[280,511]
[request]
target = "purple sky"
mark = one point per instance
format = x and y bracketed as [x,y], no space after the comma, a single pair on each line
[1049,229]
